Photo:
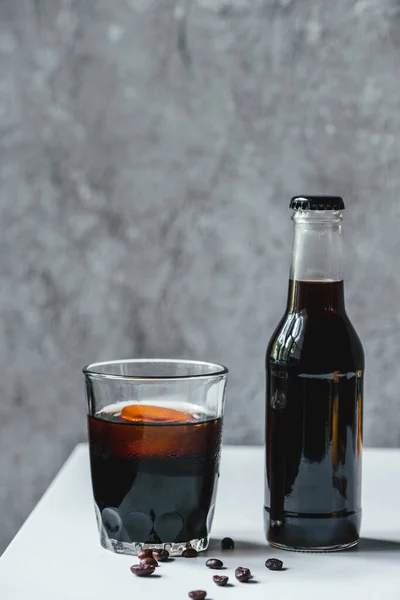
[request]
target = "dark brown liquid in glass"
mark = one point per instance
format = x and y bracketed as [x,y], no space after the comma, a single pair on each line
[315,366]
[154,473]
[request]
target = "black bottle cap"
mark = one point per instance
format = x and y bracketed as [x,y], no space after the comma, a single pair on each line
[317,203]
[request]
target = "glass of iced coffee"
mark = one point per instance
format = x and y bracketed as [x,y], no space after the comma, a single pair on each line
[155,431]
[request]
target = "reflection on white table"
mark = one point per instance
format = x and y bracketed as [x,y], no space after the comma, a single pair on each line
[56,554]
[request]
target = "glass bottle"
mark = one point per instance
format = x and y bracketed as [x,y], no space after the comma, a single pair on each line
[314,395]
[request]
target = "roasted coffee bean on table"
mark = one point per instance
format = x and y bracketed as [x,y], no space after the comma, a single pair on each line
[145,554]
[220,580]
[214,563]
[242,574]
[142,570]
[149,561]
[274,564]
[190,553]
[227,543]
[161,555]
[197,595]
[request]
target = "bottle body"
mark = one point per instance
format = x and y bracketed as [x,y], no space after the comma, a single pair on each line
[314,407]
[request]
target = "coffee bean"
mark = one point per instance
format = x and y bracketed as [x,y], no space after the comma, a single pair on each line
[227,543]
[189,553]
[145,554]
[274,564]
[242,574]
[220,580]
[197,595]
[142,570]
[161,555]
[214,563]
[149,561]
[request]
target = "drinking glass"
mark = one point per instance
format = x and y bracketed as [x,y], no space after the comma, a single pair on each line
[155,429]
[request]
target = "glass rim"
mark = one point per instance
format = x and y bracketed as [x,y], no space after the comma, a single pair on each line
[304,217]
[217,370]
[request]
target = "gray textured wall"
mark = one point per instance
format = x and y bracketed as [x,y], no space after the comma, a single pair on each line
[147,157]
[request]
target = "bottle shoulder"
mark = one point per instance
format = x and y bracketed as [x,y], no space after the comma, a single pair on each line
[318,342]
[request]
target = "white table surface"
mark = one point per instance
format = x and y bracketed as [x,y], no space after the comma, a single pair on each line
[57,556]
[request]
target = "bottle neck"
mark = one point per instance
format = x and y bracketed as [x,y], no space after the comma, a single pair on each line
[316,277]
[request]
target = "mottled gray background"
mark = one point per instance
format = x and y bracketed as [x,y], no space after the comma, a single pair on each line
[148,150]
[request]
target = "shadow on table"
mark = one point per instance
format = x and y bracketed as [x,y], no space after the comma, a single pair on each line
[376,545]
[364,545]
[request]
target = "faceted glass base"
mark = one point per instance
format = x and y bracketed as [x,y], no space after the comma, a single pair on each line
[133,548]
[337,548]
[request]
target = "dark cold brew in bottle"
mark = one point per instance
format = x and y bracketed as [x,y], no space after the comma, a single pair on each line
[314,395]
